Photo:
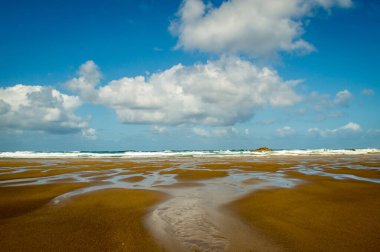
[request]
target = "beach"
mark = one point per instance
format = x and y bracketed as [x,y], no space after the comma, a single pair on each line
[191,202]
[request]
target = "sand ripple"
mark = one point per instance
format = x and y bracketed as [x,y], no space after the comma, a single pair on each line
[190,223]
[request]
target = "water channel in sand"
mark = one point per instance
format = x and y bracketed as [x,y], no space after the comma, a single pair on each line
[193,217]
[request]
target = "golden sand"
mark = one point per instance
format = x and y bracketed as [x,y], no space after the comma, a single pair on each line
[268,167]
[35,173]
[134,179]
[16,163]
[364,173]
[196,174]
[15,201]
[323,215]
[106,220]
[70,166]
[147,169]
[103,163]
[249,166]
[372,164]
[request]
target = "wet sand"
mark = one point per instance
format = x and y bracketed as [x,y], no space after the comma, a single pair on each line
[187,175]
[305,203]
[323,215]
[18,201]
[104,220]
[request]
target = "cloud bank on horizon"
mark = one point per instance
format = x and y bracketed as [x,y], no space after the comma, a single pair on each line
[219,93]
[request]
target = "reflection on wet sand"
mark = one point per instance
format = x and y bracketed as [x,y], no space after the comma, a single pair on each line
[191,204]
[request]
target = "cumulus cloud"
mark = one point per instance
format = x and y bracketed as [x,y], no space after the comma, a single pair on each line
[321,102]
[368,92]
[216,132]
[89,133]
[218,93]
[349,128]
[285,131]
[343,98]
[253,27]
[88,77]
[40,108]
[4,107]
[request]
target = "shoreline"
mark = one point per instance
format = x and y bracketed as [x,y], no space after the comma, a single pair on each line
[184,153]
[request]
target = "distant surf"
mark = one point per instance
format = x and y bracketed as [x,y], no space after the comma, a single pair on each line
[185,153]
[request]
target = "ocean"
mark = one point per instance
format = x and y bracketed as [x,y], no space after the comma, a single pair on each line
[185,153]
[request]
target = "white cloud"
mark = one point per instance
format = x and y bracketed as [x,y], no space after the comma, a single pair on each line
[320,102]
[201,132]
[89,133]
[216,132]
[343,98]
[218,93]
[39,108]
[4,107]
[368,92]
[254,27]
[88,77]
[285,131]
[158,129]
[349,128]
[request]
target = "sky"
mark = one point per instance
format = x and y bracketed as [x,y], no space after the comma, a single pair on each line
[189,75]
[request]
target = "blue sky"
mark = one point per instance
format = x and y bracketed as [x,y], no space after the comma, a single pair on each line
[213,75]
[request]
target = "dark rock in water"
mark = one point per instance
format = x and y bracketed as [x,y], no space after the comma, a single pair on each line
[262,149]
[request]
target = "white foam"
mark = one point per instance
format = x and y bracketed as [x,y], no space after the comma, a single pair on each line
[153,154]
